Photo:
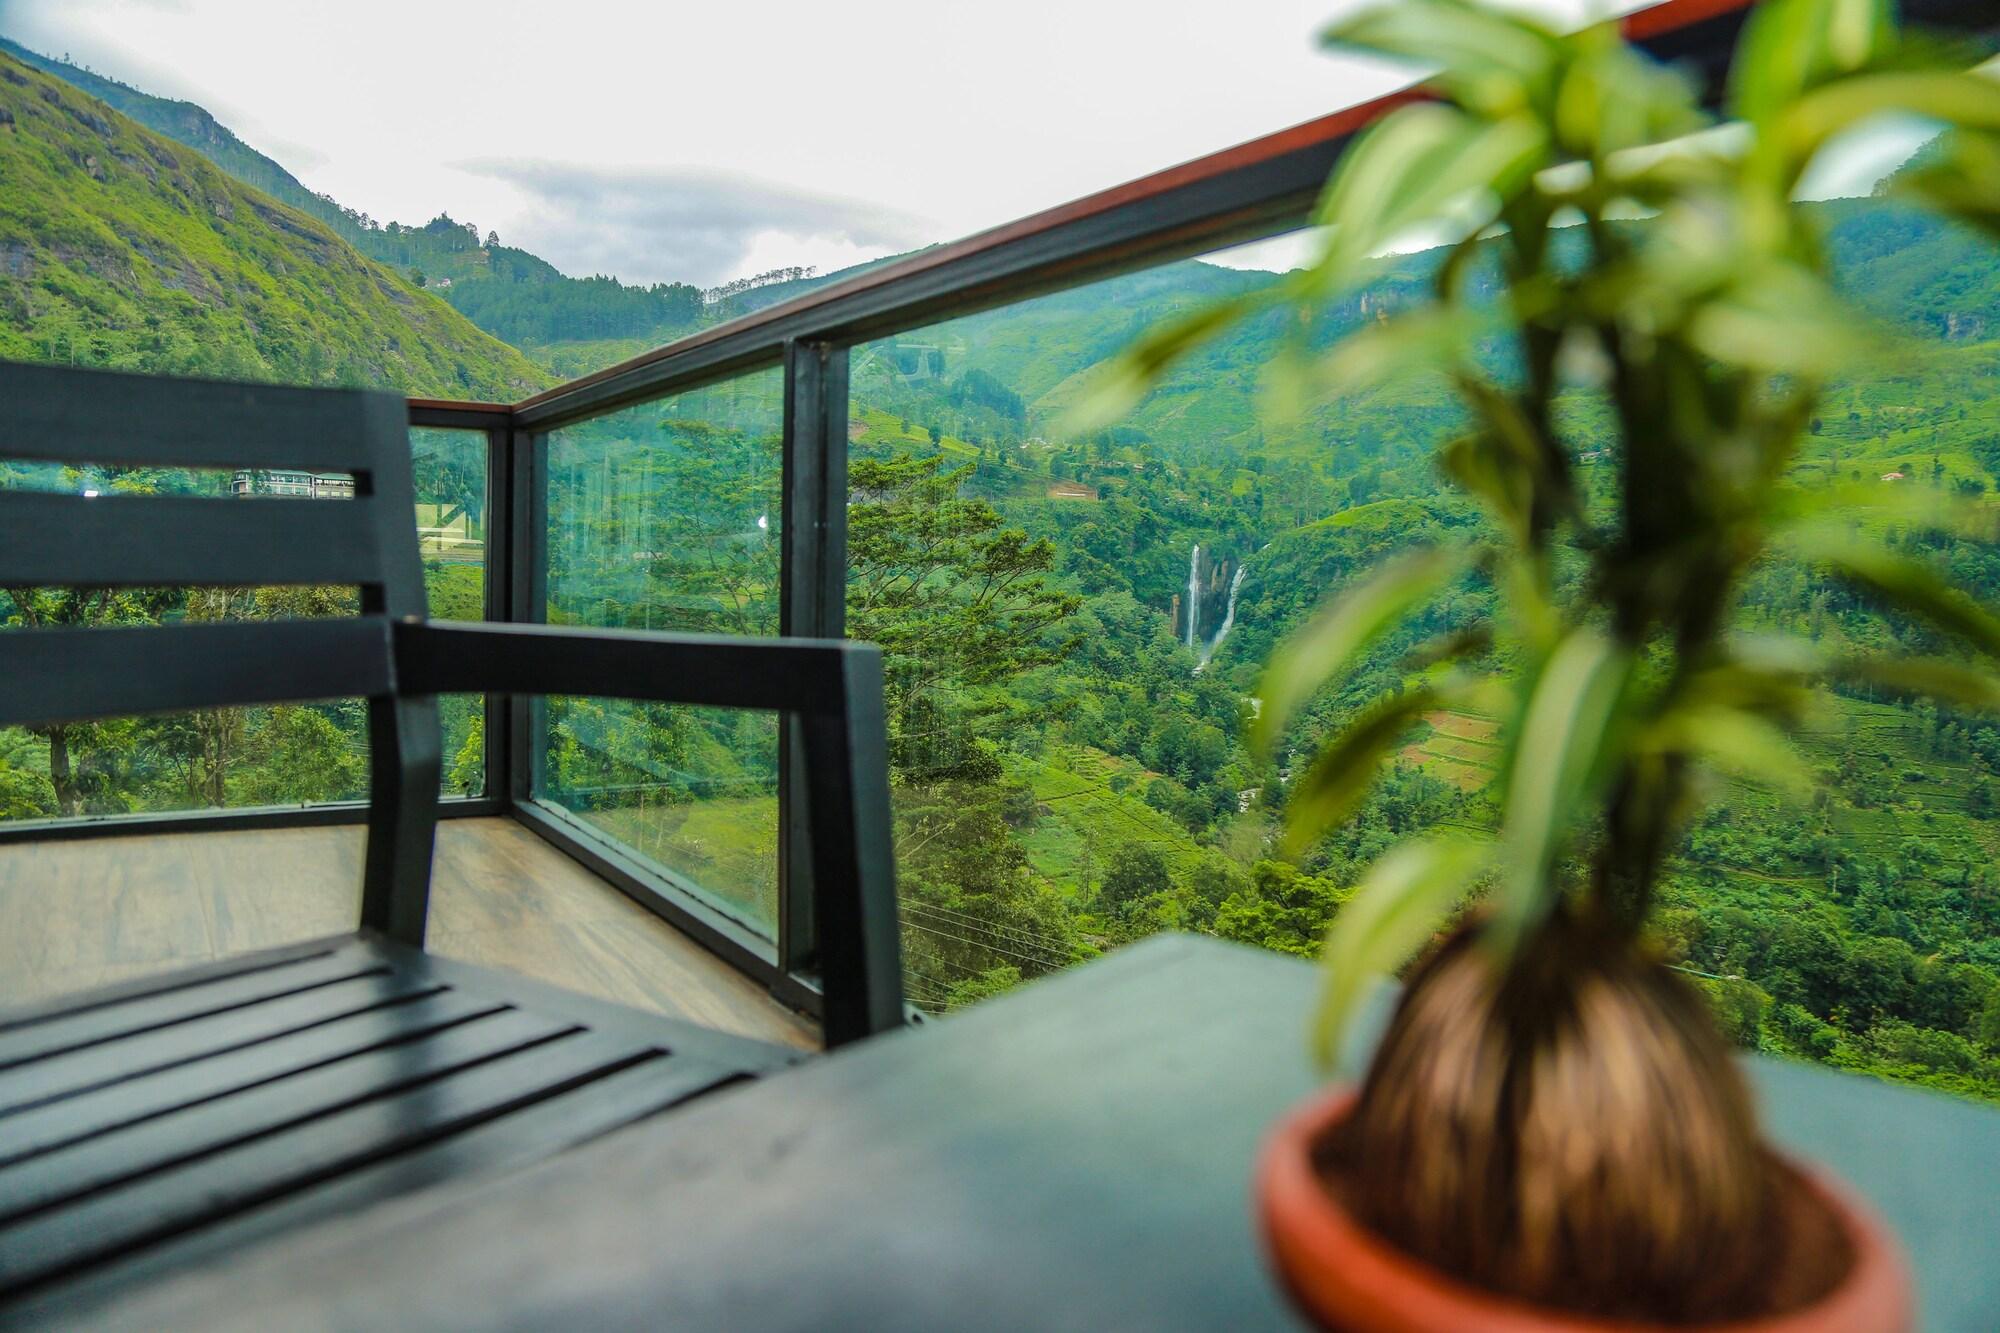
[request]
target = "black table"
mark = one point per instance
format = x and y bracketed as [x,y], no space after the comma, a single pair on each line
[1073,1156]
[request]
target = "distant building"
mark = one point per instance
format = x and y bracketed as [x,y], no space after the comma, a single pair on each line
[1892,476]
[310,485]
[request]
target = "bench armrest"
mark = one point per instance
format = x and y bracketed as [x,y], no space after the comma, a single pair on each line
[834,686]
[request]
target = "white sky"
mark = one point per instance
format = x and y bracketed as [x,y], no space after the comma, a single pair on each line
[699,140]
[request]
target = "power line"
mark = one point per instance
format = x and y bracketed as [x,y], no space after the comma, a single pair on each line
[982,944]
[1052,957]
[1033,960]
[1054,943]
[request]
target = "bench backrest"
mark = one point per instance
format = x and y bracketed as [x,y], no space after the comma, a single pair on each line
[88,417]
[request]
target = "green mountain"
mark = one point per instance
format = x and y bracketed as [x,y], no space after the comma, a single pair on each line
[121,248]
[512,294]
[183,122]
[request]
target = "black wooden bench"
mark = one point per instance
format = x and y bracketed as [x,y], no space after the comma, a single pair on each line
[147,1125]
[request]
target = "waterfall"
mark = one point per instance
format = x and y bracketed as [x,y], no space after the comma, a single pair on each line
[1228,619]
[1194,593]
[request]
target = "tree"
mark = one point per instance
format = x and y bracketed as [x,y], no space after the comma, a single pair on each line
[957,601]
[301,756]
[971,905]
[703,505]
[445,471]
[1284,909]
[1136,871]
[1979,800]
[79,752]
[1738,1007]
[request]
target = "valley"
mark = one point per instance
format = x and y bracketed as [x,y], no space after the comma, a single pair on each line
[1075,624]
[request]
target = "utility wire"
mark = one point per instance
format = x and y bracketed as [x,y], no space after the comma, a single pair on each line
[982,944]
[1049,943]
[1054,944]
[946,925]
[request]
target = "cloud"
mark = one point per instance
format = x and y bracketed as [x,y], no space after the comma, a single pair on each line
[681,224]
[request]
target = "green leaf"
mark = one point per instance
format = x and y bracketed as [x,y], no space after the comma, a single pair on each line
[1343,629]
[1347,766]
[1452,646]
[1612,99]
[1486,58]
[1425,341]
[1810,510]
[1929,677]
[1963,181]
[1781,317]
[1480,465]
[1962,99]
[1768,678]
[1561,758]
[1910,586]
[1402,899]
[1790,46]
[1735,740]
[1416,166]
[1509,464]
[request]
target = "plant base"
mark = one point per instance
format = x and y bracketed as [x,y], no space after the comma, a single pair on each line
[1842,1274]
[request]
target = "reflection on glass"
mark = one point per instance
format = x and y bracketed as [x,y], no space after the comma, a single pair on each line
[665,517]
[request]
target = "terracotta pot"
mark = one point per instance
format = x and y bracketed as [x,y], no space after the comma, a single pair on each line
[1346,1278]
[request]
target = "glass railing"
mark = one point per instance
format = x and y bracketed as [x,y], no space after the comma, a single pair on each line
[1076,624]
[666,516]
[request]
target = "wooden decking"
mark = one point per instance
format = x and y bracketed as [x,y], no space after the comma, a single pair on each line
[75,915]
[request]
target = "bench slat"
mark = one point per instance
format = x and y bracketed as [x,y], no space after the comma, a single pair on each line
[58,1033]
[232,1179]
[353,1028]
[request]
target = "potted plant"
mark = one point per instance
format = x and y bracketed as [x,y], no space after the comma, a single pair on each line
[1551,1133]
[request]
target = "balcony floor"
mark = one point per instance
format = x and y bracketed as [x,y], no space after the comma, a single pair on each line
[93,911]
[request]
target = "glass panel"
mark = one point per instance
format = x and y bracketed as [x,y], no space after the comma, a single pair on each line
[1076,626]
[665,516]
[448,468]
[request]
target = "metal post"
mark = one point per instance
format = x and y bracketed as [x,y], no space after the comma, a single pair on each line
[501,539]
[812,600]
[528,584]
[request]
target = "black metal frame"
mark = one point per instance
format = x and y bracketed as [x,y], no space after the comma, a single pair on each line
[1255,190]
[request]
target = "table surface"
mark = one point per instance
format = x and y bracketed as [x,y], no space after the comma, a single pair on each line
[1075,1155]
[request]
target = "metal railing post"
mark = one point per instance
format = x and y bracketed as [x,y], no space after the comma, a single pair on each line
[812,598]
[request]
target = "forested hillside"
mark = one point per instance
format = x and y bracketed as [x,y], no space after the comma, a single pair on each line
[512,294]
[119,248]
